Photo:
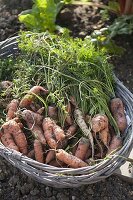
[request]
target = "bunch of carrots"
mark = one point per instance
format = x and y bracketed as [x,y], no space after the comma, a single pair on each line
[35,131]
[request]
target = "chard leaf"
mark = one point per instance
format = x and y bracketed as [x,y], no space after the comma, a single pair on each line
[42,16]
[28,19]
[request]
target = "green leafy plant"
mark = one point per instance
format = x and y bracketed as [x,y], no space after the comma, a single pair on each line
[121,25]
[43,15]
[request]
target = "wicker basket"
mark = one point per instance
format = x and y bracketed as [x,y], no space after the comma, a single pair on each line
[68,177]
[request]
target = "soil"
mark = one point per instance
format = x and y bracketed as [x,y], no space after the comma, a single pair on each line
[14,185]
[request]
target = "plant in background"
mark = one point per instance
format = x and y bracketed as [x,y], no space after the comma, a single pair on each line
[43,15]
[123,24]
[126,7]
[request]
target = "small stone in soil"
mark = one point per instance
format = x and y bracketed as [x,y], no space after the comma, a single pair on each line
[13,180]
[61,196]
[34,192]
[48,191]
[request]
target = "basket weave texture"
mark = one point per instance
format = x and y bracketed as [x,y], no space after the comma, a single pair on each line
[68,177]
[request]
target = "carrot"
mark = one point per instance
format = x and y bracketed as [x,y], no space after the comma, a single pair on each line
[37,132]
[34,107]
[31,154]
[83,126]
[115,144]
[52,112]
[48,124]
[20,125]
[50,138]
[117,109]
[32,117]
[100,146]
[69,119]
[74,145]
[11,127]
[99,122]
[40,110]
[38,151]
[50,156]
[73,149]
[57,163]
[12,109]
[29,97]
[16,119]
[59,133]
[8,141]
[82,148]
[104,135]
[88,154]
[1,133]
[71,131]
[69,159]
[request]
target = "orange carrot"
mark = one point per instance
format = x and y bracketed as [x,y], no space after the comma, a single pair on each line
[40,110]
[57,163]
[69,119]
[71,131]
[79,117]
[11,127]
[16,119]
[117,109]
[32,117]
[74,148]
[48,124]
[8,141]
[50,138]
[12,109]
[74,145]
[38,151]
[82,148]
[115,144]
[52,112]
[59,133]
[29,97]
[20,125]
[50,156]
[69,159]
[104,135]
[99,122]
[34,107]
[88,154]
[31,154]
[1,131]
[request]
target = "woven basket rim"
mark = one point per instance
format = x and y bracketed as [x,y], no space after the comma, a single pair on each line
[69,177]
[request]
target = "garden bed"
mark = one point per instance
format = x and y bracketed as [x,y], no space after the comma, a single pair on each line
[15,185]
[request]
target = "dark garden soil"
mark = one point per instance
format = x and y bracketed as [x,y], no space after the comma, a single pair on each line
[14,185]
